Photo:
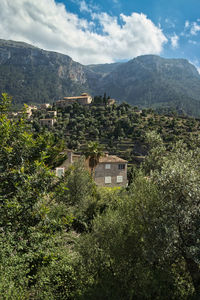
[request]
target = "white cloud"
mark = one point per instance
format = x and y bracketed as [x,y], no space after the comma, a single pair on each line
[50,26]
[174,41]
[187,24]
[192,42]
[191,29]
[169,23]
[195,28]
[196,63]
[84,6]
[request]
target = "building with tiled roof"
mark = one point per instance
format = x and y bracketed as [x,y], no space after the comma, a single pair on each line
[111,101]
[111,158]
[111,170]
[47,122]
[45,105]
[84,99]
[71,158]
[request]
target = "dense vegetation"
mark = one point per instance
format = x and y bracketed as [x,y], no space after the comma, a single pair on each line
[64,238]
[120,128]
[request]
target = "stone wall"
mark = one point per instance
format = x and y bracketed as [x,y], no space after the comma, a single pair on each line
[114,172]
[81,100]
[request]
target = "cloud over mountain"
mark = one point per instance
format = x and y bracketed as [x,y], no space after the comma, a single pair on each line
[51,26]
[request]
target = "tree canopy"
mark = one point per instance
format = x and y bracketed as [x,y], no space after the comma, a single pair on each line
[66,238]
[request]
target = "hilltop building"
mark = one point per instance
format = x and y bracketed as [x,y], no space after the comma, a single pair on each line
[84,99]
[111,101]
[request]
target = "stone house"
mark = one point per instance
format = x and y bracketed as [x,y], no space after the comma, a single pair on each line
[111,170]
[27,110]
[47,122]
[71,158]
[51,113]
[111,101]
[84,99]
[45,105]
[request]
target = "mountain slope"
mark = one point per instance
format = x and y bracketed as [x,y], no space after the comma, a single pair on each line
[32,75]
[152,81]
[103,69]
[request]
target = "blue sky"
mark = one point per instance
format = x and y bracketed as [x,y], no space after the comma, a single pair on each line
[107,30]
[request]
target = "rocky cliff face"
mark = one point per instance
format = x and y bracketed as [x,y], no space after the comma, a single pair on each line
[152,81]
[30,74]
[147,74]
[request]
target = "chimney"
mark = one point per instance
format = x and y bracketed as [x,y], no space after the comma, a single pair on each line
[106,154]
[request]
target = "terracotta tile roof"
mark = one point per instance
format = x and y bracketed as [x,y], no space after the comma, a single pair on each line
[111,159]
[76,97]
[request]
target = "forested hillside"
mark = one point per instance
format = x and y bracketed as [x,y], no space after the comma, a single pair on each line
[120,128]
[65,238]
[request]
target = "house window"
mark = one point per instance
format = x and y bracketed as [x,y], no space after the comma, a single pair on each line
[119,179]
[108,179]
[60,172]
[107,166]
[121,166]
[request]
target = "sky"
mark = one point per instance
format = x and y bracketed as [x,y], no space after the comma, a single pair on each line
[105,31]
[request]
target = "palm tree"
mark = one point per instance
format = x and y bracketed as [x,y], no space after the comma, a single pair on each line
[93,152]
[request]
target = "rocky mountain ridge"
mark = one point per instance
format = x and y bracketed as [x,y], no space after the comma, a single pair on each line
[152,81]
[33,75]
[30,74]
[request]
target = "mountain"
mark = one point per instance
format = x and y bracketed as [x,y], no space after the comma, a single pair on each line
[152,81]
[104,69]
[31,74]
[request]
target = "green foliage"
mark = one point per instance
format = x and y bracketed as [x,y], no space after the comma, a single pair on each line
[124,260]
[119,129]
[28,236]
[93,152]
[78,191]
[179,181]
[64,238]
[5,103]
